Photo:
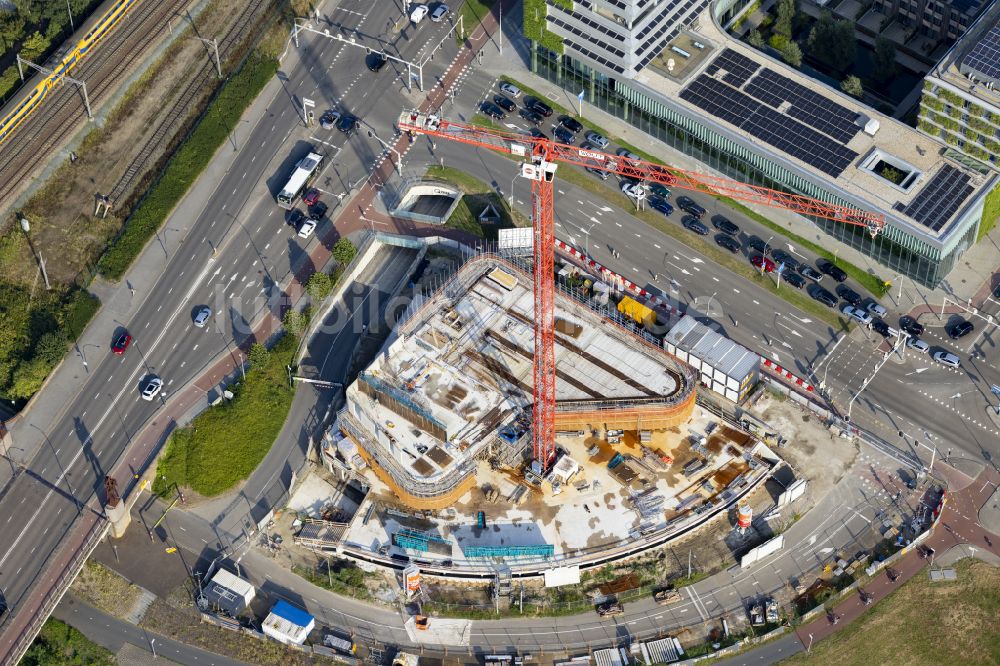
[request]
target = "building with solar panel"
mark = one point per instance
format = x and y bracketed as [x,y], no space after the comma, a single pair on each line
[937,19]
[753,118]
[960,104]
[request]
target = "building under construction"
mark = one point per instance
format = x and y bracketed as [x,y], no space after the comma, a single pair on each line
[453,383]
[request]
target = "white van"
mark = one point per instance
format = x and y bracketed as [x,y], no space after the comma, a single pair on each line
[418,13]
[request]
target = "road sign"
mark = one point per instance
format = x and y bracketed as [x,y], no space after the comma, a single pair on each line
[580,96]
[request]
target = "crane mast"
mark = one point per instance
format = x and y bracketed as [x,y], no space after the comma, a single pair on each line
[540,157]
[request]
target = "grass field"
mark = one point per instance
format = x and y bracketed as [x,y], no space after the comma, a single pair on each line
[473,12]
[477,195]
[239,431]
[923,623]
[59,644]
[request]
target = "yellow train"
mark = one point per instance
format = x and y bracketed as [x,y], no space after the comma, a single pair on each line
[75,55]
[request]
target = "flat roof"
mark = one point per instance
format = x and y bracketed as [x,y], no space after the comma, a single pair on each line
[288,612]
[976,54]
[713,348]
[819,130]
[226,580]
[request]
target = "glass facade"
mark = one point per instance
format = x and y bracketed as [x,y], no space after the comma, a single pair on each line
[900,252]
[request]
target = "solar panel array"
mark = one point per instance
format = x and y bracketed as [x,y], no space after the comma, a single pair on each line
[737,66]
[985,55]
[768,125]
[812,108]
[939,198]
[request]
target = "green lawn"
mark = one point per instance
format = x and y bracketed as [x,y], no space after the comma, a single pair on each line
[476,196]
[225,443]
[59,644]
[872,283]
[473,12]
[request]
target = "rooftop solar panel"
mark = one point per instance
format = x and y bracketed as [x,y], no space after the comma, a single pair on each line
[809,106]
[984,57]
[938,200]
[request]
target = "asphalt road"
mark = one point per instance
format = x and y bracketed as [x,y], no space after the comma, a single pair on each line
[236,259]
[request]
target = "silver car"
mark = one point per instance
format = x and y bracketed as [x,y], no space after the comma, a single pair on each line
[947,358]
[598,140]
[510,90]
[918,344]
[201,318]
[439,13]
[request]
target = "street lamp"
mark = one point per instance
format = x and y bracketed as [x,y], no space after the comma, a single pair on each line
[399,158]
[587,242]
[152,646]
[516,174]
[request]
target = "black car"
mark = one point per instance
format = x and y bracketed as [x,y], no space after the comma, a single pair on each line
[375,61]
[347,123]
[537,133]
[880,327]
[832,270]
[724,225]
[504,103]
[794,279]
[492,110]
[911,325]
[661,204]
[694,224]
[538,106]
[688,205]
[570,123]
[317,211]
[759,245]
[530,116]
[810,272]
[849,295]
[782,257]
[600,173]
[960,329]
[295,217]
[824,297]
[728,242]
[564,135]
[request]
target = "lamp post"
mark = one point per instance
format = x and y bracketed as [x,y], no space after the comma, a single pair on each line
[386,146]
[809,647]
[587,242]
[152,646]
[512,180]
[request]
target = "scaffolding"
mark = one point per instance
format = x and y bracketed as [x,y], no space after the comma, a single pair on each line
[509,552]
[418,540]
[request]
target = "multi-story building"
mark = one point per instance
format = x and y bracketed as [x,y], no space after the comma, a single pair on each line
[937,19]
[752,118]
[961,99]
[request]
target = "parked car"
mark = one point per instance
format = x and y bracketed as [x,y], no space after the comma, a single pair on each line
[537,133]
[571,123]
[598,140]
[831,269]
[947,358]
[794,279]
[151,387]
[724,225]
[688,205]
[311,197]
[695,225]
[202,315]
[306,228]
[317,211]
[848,294]
[811,273]
[375,61]
[660,190]
[823,296]
[630,157]
[418,13]
[329,119]
[538,106]
[857,314]
[761,262]
[911,325]
[666,595]
[121,343]
[492,110]
[883,329]
[918,344]
[600,173]
[728,242]
[563,135]
[510,89]
[504,103]
[876,309]
[530,116]
[295,216]
[633,189]
[782,257]
[661,204]
[439,13]
[610,608]
[759,245]
[960,329]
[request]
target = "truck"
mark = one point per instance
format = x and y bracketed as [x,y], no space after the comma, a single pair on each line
[771,610]
[666,595]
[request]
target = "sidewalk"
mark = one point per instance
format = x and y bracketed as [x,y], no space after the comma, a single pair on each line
[971,278]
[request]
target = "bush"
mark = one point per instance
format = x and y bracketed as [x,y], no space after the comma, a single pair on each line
[792,54]
[187,164]
[852,86]
[344,251]
[60,644]
[319,285]
[258,355]
[295,323]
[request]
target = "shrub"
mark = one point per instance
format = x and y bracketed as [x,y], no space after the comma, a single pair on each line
[295,323]
[319,285]
[258,355]
[344,251]
[852,86]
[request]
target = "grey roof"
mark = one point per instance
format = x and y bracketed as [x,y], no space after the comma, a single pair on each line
[717,350]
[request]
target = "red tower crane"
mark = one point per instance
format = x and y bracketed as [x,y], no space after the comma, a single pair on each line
[541,156]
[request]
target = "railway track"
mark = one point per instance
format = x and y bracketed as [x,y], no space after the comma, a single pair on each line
[168,123]
[62,111]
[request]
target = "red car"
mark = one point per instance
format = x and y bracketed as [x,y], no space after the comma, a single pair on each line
[121,343]
[311,197]
[761,261]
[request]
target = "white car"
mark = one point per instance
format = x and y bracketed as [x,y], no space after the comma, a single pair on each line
[634,190]
[876,310]
[329,119]
[418,13]
[857,314]
[152,387]
[201,318]
[598,140]
[918,344]
[510,90]
[947,358]
[439,12]
[307,228]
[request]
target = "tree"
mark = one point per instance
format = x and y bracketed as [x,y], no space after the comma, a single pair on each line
[778,42]
[787,10]
[852,86]
[885,60]
[258,355]
[319,286]
[51,347]
[11,29]
[792,54]
[832,42]
[344,251]
[755,39]
[295,323]
[34,46]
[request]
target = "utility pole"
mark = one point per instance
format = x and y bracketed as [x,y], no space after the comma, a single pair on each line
[70,11]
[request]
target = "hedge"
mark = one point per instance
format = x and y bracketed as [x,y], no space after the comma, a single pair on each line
[186,165]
